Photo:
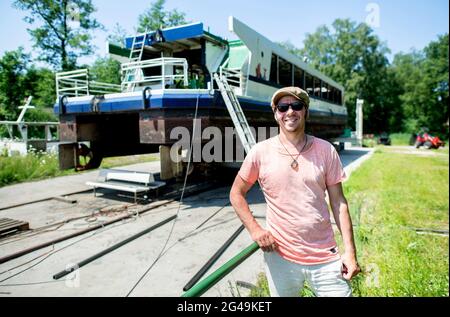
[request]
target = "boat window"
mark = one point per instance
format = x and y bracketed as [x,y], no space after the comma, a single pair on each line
[331,94]
[317,87]
[339,97]
[325,91]
[285,72]
[299,79]
[274,69]
[309,84]
[335,95]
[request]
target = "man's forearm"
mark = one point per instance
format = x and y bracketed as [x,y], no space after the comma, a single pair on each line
[263,237]
[242,209]
[344,223]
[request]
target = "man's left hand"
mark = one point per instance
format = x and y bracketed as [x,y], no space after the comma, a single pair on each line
[350,267]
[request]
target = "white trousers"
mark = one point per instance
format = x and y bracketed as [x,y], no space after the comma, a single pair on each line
[286,279]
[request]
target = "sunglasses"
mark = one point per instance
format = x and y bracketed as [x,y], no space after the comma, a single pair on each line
[296,106]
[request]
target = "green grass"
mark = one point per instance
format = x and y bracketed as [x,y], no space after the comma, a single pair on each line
[389,196]
[444,150]
[127,160]
[36,166]
[400,138]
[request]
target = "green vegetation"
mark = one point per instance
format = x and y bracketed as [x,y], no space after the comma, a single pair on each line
[400,138]
[105,70]
[156,17]
[423,76]
[33,166]
[369,142]
[389,196]
[59,42]
[19,78]
[38,165]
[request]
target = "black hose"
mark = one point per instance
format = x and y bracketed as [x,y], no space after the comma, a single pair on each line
[111,248]
[212,260]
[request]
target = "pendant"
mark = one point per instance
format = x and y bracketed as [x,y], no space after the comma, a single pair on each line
[294,164]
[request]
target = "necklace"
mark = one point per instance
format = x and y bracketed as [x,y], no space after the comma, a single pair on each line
[294,163]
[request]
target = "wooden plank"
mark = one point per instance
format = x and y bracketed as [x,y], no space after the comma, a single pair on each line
[14,223]
[24,226]
[9,225]
[12,228]
[5,223]
[4,220]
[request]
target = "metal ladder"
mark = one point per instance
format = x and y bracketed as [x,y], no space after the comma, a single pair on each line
[236,113]
[136,52]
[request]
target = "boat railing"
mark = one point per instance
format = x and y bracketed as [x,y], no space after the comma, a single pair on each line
[173,72]
[235,79]
[76,83]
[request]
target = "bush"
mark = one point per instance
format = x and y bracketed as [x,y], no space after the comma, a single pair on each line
[369,143]
[35,165]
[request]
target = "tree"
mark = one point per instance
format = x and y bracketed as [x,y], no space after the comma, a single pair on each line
[13,69]
[106,70]
[408,71]
[20,79]
[423,77]
[436,80]
[117,35]
[60,42]
[291,48]
[156,18]
[42,86]
[353,56]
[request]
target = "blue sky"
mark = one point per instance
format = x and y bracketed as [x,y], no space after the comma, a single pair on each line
[403,24]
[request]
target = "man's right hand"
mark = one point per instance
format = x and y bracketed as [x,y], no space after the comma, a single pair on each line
[264,239]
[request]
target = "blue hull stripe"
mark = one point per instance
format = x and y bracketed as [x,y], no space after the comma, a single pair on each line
[136,103]
[173,101]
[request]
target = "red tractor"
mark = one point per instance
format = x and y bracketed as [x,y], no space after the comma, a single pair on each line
[428,141]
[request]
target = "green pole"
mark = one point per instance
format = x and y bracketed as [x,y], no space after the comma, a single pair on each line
[204,285]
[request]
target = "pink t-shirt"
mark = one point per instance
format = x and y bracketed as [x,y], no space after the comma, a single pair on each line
[297,212]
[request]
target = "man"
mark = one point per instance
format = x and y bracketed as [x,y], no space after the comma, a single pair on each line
[294,170]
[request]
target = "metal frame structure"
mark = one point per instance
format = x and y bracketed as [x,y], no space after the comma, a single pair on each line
[131,69]
[23,128]
[234,78]
[76,83]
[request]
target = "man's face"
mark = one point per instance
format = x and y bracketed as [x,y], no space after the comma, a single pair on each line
[291,120]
